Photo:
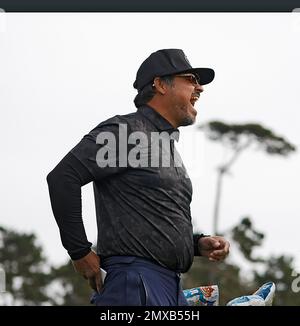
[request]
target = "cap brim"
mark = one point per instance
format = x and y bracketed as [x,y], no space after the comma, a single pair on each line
[206,75]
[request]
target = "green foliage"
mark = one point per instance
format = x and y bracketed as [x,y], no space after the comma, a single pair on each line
[24,265]
[236,135]
[31,281]
[280,271]
[76,291]
[238,138]
[29,277]
[247,238]
[229,277]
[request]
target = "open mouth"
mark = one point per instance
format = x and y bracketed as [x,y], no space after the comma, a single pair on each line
[194,99]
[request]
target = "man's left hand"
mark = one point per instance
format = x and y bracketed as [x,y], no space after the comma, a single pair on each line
[215,248]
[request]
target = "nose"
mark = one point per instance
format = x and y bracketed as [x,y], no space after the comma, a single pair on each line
[199,88]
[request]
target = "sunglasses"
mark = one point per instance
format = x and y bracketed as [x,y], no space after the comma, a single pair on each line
[195,80]
[191,78]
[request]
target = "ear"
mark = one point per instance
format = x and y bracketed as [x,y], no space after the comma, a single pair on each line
[160,86]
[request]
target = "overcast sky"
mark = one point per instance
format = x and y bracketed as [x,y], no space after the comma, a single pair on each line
[62,74]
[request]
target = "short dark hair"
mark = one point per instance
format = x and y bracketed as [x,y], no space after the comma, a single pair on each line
[147,93]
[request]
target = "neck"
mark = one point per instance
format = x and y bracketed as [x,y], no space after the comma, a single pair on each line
[164,111]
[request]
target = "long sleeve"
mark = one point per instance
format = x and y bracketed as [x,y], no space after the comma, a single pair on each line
[65,182]
[196,238]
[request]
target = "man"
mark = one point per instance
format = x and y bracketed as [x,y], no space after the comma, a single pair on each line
[142,191]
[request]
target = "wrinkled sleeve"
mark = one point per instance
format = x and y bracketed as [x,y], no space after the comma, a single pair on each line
[95,157]
[64,183]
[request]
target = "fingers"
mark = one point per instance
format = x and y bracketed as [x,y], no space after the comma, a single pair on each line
[214,248]
[216,244]
[98,281]
[223,248]
[215,258]
[227,246]
[95,282]
[220,254]
[92,284]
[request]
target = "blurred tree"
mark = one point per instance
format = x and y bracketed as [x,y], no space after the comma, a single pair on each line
[247,238]
[31,281]
[226,276]
[76,291]
[25,267]
[279,270]
[237,138]
[229,277]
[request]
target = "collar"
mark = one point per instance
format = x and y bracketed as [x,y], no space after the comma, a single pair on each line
[158,121]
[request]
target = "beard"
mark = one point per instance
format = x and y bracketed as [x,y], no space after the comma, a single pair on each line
[186,115]
[187,118]
[187,121]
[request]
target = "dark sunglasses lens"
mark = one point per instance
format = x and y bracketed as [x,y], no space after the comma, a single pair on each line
[193,80]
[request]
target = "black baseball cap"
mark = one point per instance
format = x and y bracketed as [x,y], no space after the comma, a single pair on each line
[169,62]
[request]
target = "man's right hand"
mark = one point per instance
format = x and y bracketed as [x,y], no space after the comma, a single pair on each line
[89,268]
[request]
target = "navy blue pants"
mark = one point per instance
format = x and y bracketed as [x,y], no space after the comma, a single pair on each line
[134,281]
